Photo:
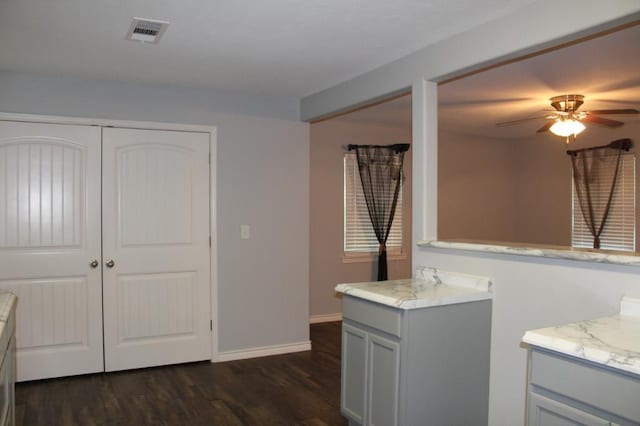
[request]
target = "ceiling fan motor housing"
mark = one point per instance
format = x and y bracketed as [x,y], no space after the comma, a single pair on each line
[567,103]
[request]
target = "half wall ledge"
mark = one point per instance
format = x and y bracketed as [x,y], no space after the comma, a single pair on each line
[534,250]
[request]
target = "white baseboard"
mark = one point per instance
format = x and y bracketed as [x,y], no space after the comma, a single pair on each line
[315,319]
[263,351]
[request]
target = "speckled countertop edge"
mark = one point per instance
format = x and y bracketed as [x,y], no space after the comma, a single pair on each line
[540,251]
[7,302]
[613,341]
[431,287]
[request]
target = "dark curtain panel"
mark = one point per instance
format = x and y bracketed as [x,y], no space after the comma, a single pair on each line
[381,174]
[591,176]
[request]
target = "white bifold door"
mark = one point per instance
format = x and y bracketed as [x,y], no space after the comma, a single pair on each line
[49,237]
[104,238]
[155,216]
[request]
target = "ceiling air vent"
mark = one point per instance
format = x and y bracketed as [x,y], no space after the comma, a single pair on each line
[146,30]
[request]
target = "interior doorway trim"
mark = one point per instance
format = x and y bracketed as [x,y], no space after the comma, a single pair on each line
[152,125]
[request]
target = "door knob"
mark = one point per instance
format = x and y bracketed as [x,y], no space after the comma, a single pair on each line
[110,264]
[94,263]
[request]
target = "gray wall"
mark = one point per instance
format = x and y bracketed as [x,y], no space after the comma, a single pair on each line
[262,172]
[531,293]
[514,190]
[543,209]
[528,292]
[476,188]
[326,267]
[543,199]
[46,94]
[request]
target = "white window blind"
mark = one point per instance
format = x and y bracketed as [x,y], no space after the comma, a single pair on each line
[359,236]
[620,230]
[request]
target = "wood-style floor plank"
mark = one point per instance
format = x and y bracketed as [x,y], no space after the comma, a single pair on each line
[293,389]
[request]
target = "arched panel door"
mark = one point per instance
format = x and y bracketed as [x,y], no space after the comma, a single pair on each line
[156,276]
[50,246]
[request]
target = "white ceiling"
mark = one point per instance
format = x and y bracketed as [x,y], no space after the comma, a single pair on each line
[606,70]
[280,47]
[392,113]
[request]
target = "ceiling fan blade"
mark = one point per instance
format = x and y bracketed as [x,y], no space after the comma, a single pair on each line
[546,126]
[614,111]
[604,121]
[522,120]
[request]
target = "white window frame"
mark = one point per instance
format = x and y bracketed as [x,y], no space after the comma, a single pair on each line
[620,231]
[356,216]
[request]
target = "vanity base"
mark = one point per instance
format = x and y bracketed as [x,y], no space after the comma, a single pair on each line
[563,388]
[415,366]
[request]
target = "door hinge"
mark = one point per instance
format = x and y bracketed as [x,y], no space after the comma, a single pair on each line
[209,241]
[209,158]
[211,325]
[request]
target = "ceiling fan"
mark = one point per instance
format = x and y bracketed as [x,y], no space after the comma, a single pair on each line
[565,120]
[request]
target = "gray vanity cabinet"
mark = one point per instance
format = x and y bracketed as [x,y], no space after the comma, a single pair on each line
[427,366]
[564,390]
[370,376]
[550,412]
[7,360]
[354,371]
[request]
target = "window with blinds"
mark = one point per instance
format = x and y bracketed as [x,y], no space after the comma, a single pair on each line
[359,237]
[620,230]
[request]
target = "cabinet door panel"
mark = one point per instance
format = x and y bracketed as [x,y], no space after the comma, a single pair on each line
[544,411]
[607,389]
[354,381]
[383,367]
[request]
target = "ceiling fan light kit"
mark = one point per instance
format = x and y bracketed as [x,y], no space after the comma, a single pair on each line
[566,121]
[569,124]
[566,127]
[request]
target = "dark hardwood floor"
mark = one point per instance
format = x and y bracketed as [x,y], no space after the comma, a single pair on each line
[293,389]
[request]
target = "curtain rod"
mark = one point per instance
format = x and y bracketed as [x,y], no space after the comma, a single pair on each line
[398,147]
[622,144]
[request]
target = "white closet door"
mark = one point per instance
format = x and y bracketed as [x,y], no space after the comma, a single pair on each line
[49,235]
[156,233]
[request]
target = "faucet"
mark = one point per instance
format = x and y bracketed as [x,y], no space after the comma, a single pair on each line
[437,279]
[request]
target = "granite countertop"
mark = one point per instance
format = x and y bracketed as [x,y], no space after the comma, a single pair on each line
[7,302]
[613,341]
[431,287]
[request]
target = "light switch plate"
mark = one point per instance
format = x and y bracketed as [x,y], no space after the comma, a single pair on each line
[245,231]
